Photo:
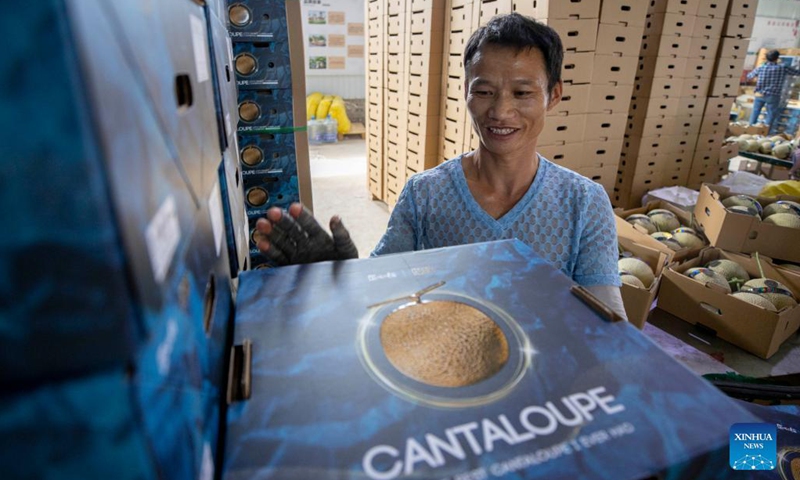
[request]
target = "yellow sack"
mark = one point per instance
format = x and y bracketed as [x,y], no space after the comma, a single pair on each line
[788,187]
[324,106]
[339,112]
[312,102]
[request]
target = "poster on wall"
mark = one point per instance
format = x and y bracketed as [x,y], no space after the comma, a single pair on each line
[334,36]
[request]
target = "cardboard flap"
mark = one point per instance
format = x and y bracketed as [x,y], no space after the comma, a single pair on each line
[711,217]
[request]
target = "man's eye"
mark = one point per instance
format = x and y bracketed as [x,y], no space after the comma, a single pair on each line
[481,93]
[524,93]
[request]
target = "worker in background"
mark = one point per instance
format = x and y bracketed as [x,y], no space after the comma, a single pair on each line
[769,88]
[502,190]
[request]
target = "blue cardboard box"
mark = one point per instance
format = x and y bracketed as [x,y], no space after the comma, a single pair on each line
[225,92]
[236,227]
[257,20]
[344,385]
[102,205]
[262,65]
[167,43]
[258,109]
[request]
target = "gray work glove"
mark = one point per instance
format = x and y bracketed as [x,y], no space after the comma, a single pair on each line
[294,237]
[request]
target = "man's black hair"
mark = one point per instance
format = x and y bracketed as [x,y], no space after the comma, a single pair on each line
[520,33]
[773,55]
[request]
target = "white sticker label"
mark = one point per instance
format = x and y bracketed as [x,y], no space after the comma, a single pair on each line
[162,236]
[164,351]
[215,210]
[199,42]
[207,466]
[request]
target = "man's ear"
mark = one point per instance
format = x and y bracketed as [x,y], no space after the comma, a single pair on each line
[466,88]
[555,95]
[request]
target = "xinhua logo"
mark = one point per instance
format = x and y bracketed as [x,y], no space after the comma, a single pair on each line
[753,446]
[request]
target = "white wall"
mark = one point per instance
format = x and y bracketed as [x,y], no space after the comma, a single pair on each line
[777,26]
[348,86]
[345,73]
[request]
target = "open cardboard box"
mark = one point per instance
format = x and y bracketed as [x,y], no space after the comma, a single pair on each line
[637,301]
[737,232]
[683,216]
[750,327]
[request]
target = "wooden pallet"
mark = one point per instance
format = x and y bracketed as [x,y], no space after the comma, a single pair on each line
[356,130]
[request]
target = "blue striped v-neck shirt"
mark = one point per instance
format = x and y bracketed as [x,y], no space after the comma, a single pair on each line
[566,218]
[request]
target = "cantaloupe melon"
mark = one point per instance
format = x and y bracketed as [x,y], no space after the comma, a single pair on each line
[781,206]
[664,220]
[743,200]
[687,237]
[643,221]
[776,292]
[666,239]
[705,275]
[629,279]
[743,210]
[757,300]
[789,220]
[734,273]
[638,268]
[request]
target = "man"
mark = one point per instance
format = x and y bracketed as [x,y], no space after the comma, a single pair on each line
[502,190]
[769,88]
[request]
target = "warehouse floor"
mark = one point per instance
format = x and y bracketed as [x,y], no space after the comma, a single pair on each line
[339,187]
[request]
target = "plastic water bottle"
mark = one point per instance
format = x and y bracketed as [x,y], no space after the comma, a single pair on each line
[315,131]
[331,129]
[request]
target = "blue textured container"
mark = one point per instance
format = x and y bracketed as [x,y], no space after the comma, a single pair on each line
[325,404]
[262,65]
[270,108]
[257,20]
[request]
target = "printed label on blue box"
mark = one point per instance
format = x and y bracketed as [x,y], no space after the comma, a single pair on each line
[753,446]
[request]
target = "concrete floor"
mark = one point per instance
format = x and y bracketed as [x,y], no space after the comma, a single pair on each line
[339,187]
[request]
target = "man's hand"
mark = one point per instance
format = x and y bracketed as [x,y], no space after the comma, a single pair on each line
[295,237]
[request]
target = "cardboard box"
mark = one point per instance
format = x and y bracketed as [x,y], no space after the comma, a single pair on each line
[660,67]
[460,18]
[455,89]
[574,100]
[716,9]
[736,232]
[642,108]
[423,104]
[569,155]
[711,142]
[743,8]
[606,177]
[576,35]
[558,9]
[604,126]
[457,42]
[739,27]
[695,87]
[538,313]
[563,129]
[704,47]
[601,154]
[708,27]
[637,301]
[641,147]
[665,45]
[748,326]
[630,13]
[430,41]
[699,67]
[615,69]
[426,20]
[423,125]
[652,127]
[733,47]
[658,87]
[723,86]
[396,24]
[714,124]
[485,11]
[687,7]
[428,64]
[609,98]
[618,40]
[678,24]
[424,84]
[577,67]
[729,67]
[718,105]
[691,106]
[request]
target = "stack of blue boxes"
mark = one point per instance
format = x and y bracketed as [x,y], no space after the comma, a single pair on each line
[123,232]
[271,134]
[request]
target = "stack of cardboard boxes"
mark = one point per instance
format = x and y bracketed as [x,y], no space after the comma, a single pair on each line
[682,97]
[601,41]
[735,22]
[405,41]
